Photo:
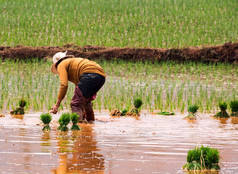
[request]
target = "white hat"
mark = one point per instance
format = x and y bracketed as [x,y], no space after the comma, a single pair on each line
[59,56]
[56,58]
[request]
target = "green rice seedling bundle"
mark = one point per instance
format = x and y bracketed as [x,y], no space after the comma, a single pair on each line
[124,112]
[19,110]
[135,111]
[64,121]
[234,108]
[192,110]
[223,113]
[202,159]
[46,119]
[75,119]
[166,113]
[137,107]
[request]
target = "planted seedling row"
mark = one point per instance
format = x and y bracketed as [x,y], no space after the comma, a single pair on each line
[63,121]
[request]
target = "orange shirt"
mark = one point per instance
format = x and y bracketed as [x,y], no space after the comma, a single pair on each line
[71,69]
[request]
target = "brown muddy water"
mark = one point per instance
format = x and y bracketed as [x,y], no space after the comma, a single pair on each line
[151,144]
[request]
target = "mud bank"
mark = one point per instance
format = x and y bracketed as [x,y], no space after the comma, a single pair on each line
[227,52]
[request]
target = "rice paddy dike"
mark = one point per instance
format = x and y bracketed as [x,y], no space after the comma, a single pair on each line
[227,52]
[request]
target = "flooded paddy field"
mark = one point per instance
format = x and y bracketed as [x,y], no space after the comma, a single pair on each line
[148,144]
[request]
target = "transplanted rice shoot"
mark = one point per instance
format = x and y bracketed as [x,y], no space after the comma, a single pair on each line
[124,112]
[203,158]
[19,110]
[22,103]
[234,108]
[74,118]
[137,105]
[46,119]
[64,121]
[193,109]
[222,113]
[165,113]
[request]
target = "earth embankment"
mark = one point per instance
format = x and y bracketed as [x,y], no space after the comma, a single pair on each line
[227,52]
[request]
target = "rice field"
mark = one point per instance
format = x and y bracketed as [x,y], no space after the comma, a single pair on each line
[167,86]
[122,23]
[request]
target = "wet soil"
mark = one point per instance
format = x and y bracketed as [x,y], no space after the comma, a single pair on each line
[227,52]
[148,144]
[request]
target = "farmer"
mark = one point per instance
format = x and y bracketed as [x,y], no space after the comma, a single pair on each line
[88,78]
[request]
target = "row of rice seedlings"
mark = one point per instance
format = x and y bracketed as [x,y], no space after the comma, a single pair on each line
[223,109]
[153,83]
[134,23]
[64,120]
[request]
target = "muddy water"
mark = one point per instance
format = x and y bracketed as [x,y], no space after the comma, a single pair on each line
[150,144]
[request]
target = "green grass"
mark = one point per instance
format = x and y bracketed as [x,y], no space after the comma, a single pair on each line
[167,86]
[133,23]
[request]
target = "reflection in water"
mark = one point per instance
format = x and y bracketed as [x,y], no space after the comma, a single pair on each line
[81,156]
[202,172]
[223,120]
[45,141]
[25,148]
[234,120]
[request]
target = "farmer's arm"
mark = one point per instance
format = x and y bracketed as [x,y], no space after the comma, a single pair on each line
[63,75]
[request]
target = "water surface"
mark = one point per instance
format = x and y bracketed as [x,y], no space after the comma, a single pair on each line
[149,144]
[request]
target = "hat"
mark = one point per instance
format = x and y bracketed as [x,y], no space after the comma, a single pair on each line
[56,58]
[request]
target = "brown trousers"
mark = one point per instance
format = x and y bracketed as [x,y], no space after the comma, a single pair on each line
[82,106]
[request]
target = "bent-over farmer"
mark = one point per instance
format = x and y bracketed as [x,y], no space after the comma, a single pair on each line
[88,78]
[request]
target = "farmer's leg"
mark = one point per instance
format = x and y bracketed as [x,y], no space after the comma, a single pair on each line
[90,84]
[89,112]
[78,103]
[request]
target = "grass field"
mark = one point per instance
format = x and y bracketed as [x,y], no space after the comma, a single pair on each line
[166,86]
[133,23]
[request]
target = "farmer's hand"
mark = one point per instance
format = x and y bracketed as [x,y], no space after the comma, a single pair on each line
[54,109]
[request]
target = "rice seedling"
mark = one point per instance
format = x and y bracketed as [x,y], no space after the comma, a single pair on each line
[234,108]
[165,113]
[222,113]
[192,110]
[75,119]
[124,112]
[133,112]
[64,121]
[137,106]
[202,158]
[19,110]
[46,119]
[22,103]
